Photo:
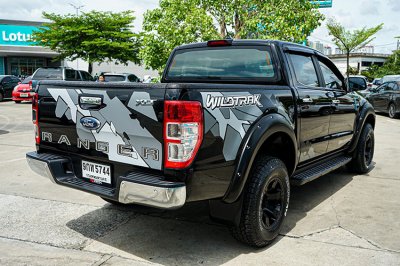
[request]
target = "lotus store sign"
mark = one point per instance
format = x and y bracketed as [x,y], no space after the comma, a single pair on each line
[16,35]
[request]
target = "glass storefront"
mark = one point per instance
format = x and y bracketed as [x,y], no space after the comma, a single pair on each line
[25,66]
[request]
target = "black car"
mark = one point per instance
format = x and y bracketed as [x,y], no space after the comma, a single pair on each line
[7,84]
[387,98]
[120,77]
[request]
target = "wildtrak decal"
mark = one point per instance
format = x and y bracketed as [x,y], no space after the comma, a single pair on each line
[232,101]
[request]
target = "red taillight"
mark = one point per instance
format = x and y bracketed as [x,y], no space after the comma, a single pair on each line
[183,132]
[30,85]
[35,117]
[219,43]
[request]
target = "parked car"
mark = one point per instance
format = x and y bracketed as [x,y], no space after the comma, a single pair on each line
[23,92]
[59,73]
[386,99]
[236,133]
[388,78]
[375,83]
[120,77]
[7,85]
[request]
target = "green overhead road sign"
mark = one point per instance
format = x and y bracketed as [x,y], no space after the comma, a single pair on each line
[322,3]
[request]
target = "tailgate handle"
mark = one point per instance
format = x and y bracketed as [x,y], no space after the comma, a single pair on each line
[90,102]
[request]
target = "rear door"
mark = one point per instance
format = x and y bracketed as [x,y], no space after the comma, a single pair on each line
[344,106]
[103,123]
[381,97]
[314,104]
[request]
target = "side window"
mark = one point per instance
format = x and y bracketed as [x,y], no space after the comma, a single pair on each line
[304,70]
[331,80]
[391,86]
[71,75]
[86,76]
[132,78]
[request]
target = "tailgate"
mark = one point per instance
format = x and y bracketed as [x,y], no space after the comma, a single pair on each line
[105,122]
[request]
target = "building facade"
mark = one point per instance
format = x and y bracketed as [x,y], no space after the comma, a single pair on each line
[359,61]
[19,56]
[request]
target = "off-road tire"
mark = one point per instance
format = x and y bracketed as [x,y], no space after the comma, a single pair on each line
[364,152]
[392,111]
[252,229]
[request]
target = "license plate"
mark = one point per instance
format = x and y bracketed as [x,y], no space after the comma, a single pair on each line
[96,173]
[24,95]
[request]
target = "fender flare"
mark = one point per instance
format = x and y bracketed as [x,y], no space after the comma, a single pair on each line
[367,110]
[251,144]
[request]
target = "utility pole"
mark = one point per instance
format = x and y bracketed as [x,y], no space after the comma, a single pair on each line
[397,48]
[77,8]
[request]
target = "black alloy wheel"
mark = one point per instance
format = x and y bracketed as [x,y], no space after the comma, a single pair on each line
[273,204]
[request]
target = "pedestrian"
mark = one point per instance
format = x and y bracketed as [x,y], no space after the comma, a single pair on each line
[101,78]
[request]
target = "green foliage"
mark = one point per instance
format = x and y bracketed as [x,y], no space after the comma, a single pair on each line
[177,22]
[390,67]
[174,23]
[349,41]
[289,20]
[93,36]
[353,71]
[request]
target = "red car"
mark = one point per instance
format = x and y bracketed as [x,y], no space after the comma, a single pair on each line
[22,92]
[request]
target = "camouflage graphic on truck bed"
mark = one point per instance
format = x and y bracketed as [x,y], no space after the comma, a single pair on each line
[126,140]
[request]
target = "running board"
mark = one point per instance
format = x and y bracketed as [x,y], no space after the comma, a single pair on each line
[319,170]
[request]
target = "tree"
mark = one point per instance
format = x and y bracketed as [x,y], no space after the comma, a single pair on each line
[348,41]
[93,37]
[390,67]
[174,23]
[177,22]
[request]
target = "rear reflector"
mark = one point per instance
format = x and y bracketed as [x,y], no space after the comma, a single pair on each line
[183,132]
[35,117]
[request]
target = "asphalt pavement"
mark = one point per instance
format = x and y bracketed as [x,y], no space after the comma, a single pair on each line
[338,219]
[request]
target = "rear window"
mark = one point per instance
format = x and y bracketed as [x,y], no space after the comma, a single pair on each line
[228,63]
[48,73]
[114,78]
[26,80]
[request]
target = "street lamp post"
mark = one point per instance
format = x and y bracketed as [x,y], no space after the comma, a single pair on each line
[77,8]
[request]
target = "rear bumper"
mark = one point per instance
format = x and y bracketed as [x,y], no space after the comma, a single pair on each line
[133,188]
[16,96]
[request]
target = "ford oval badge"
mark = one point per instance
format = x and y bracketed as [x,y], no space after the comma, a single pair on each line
[90,122]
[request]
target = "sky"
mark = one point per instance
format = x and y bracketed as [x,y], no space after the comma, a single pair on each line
[353,14]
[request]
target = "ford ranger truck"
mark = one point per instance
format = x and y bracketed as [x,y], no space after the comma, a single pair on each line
[233,122]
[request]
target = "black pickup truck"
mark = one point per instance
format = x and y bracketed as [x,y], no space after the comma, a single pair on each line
[234,122]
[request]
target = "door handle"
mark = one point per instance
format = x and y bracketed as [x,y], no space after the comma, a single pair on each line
[336,101]
[307,100]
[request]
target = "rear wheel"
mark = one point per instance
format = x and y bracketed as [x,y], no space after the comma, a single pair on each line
[266,199]
[392,111]
[17,101]
[364,153]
